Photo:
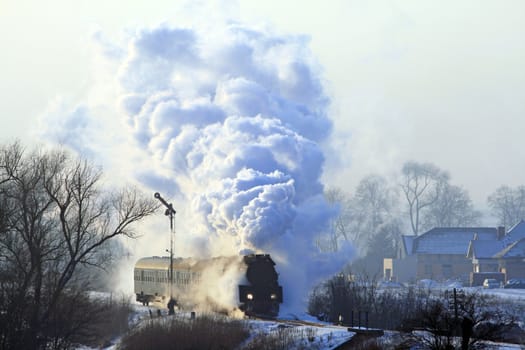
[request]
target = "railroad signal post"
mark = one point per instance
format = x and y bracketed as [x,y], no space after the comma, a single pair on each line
[170,212]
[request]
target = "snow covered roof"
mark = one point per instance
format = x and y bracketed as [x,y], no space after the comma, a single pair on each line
[484,249]
[516,233]
[515,250]
[474,242]
[451,240]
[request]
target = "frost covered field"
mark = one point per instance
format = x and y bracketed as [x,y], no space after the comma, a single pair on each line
[290,332]
[303,331]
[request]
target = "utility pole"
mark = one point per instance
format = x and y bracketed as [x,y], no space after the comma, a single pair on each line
[170,212]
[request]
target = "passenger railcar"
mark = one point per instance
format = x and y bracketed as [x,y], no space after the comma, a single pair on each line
[257,293]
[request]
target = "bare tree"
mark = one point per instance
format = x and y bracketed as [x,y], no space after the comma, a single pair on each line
[453,208]
[371,206]
[10,156]
[361,215]
[59,218]
[339,227]
[422,184]
[385,241]
[508,205]
[443,318]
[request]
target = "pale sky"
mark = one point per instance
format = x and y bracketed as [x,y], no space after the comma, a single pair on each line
[433,81]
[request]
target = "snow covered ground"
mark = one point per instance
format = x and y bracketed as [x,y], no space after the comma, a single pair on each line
[308,333]
[515,294]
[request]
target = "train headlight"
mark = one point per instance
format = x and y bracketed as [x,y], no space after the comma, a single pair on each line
[249,296]
[273,296]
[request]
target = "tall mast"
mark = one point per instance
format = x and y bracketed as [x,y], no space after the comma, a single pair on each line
[170,212]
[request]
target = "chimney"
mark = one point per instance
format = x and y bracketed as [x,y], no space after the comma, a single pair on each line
[501,232]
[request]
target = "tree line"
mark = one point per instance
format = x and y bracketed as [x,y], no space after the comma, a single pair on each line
[422,197]
[57,220]
[432,318]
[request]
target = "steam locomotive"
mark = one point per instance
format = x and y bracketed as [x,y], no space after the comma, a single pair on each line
[250,282]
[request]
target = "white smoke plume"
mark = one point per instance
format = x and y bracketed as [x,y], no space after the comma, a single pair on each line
[219,285]
[231,122]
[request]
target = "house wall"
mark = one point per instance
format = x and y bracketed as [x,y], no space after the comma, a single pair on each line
[486,265]
[400,270]
[443,266]
[514,268]
[388,269]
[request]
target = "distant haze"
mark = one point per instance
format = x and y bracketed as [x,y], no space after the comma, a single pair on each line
[242,112]
[412,80]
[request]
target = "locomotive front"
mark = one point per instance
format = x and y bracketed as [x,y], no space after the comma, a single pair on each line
[263,294]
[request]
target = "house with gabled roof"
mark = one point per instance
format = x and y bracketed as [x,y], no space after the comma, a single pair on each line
[482,253]
[505,255]
[444,253]
[512,260]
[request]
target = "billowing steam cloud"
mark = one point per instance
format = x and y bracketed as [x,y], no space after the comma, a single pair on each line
[233,119]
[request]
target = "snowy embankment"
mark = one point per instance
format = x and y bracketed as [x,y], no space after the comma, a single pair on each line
[515,294]
[301,332]
[304,331]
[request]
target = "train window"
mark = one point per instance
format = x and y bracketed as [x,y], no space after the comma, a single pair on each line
[142,275]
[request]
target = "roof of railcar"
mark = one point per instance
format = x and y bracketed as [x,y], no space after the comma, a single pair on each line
[163,263]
